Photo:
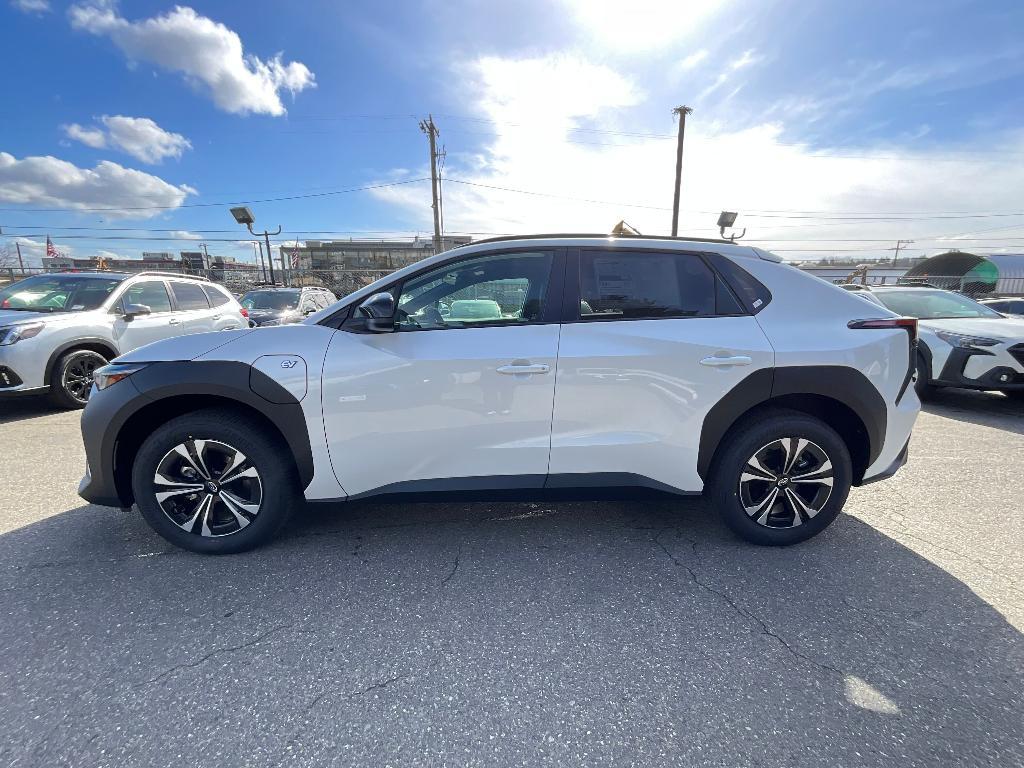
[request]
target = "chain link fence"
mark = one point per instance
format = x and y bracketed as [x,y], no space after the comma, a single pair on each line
[341,282]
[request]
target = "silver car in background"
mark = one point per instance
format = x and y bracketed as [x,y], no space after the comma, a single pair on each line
[56,329]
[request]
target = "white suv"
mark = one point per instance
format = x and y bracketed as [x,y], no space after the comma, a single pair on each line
[56,329]
[675,365]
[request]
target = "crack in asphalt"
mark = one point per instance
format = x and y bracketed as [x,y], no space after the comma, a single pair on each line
[216,652]
[455,564]
[740,611]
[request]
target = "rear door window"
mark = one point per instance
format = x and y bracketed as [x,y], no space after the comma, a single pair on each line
[190,296]
[623,285]
[152,294]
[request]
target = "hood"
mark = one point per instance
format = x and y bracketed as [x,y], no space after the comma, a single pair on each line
[1003,328]
[14,316]
[262,315]
[182,347]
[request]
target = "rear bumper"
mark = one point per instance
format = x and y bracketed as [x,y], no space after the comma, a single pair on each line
[893,468]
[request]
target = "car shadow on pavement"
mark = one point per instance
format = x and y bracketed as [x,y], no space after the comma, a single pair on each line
[21,408]
[576,632]
[989,409]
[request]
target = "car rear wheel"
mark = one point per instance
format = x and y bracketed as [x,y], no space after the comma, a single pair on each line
[781,478]
[71,380]
[214,482]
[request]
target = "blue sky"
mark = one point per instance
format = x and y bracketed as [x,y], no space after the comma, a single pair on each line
[811,118]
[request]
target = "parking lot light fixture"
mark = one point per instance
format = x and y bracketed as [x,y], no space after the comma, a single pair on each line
[244,215]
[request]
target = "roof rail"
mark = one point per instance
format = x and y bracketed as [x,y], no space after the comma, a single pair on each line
[159,273]
[602,235]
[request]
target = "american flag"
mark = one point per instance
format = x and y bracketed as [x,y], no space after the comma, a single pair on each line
[295,255]
[51,249]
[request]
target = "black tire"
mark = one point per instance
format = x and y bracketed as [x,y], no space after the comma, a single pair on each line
[923,383]
[219,530]
[71,379]
[754,438]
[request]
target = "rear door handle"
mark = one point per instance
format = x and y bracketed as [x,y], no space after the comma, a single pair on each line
[725,362]
[511,370]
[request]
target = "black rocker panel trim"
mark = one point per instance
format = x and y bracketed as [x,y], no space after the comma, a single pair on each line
[585,486]
[847,385]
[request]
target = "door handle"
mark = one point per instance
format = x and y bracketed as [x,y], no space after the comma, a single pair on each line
[511,370]
[726,362]
[174,321]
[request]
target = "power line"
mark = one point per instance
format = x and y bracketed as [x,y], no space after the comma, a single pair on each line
[214,205]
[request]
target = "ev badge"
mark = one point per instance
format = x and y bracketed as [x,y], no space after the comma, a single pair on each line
[288,363]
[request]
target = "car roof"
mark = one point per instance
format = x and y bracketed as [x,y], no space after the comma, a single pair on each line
[86,275]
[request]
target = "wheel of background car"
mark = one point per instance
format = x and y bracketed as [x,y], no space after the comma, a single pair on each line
[71,380]
[781,478]
[213,481]
[923,383]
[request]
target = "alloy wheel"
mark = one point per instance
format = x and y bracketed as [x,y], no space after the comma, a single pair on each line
[786,482]
[76,379]
[208,488]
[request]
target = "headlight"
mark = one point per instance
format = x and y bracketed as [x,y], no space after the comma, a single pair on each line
[15,333]
[965,340]
[109,375]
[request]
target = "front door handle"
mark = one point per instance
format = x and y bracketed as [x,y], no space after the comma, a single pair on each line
[725,362]
[512,370]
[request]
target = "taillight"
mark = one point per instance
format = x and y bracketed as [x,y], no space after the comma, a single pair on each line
[244,311]
[909,324]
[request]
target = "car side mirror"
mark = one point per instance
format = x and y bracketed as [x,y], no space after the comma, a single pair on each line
[132,311]
[379,311]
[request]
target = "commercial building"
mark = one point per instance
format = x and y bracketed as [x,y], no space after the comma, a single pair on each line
[357,255]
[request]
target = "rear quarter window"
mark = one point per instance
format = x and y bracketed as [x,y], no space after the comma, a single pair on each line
[751,291]
[216,296]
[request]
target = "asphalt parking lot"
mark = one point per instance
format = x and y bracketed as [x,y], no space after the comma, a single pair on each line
[627,633]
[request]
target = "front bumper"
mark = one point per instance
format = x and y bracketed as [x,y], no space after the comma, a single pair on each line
[104,414]
[21,369]
[981,368]
[892,469]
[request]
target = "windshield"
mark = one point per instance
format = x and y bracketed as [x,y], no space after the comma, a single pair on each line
[57,293]
[932,305]
[276,300]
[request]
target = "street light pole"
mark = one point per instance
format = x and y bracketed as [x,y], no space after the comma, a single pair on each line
[266,237]
[682,112]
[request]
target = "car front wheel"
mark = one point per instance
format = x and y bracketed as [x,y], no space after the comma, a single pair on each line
[781,478]
[214,482]
[71,381]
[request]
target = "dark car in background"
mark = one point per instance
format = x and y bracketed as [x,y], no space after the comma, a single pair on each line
[280,306]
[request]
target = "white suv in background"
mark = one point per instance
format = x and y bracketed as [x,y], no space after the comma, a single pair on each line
[675,365]
[56,329]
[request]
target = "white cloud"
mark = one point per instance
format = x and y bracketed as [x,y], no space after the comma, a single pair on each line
[206,52]
[32,6]
[50,182]
[143,139]
[689,62]
[91,137]
[184,234]
[642,25]
[746,59]
[748,169]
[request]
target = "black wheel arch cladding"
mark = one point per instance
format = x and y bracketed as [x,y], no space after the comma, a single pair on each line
[84,343]
[834,382]
[226,382]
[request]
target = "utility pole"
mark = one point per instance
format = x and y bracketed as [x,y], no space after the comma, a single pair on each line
[20,262]
[428,127]
[897,249]
[682,112]
[263,267]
